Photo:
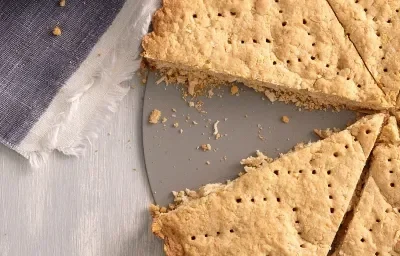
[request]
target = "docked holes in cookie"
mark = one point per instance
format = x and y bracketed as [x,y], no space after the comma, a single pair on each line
[365,9]
[267,41]
[274,63]
[288,61]
[255,41]
[358,85]
[278,199]
[389,21]
[327,65]
[193,238]
[280,11]
[304,21]
[303,246]
[284,23]
[206,235]
[276,172]
[242,41]
[252,200]
[299,60]
[392,185]
[312,57]
[300,171]
[329,172]
[336,154]
[265,199]
[377,253]
[362,240]
[332,210]
[231,230]
[368,131]
[346,146]
[329,185]
[391,171]
[397,10]
[356,1]
[370,230]
[389,159]
[385,70]
[294,209]
[238,200]
[218,233]
[378,33]
[233,13]
[314,172]
[195,16]
[380,46]
[378,220]
[219,14]
[330,197]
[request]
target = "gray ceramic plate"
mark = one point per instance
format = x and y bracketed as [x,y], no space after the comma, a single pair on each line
[173,161]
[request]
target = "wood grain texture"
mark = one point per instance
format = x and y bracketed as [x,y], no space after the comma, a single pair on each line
[94,205]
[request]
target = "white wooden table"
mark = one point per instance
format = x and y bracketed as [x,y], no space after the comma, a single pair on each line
[95,205]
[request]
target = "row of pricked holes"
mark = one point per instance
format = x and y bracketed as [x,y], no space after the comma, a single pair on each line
[207,235]
[370,230]
[269,41]
[378,33]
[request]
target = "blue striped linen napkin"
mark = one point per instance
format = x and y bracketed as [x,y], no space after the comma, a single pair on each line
[57,87]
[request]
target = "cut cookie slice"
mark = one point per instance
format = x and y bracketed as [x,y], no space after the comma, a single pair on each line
[302,54]
[290,206]
[375,227]
[374,28]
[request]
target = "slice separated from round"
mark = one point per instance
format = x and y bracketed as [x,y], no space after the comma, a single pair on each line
[290,206]
[295,49]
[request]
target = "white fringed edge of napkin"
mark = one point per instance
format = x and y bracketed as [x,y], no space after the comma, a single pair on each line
[92,94]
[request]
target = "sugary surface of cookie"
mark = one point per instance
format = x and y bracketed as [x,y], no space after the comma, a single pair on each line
[299,45]
[291,206]
[375,227]
[374,28]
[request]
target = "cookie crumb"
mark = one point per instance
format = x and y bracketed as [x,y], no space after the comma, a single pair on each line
[57,31]
[154,116]
[164,119]
[270,95]
[285,119]
[194,122]
[173,110]
[216,127]
[191,104]
[217,136]
[176,125]
[234,90]
[61,3]
[208,162]
[181,131]
[205,147]
[210,93]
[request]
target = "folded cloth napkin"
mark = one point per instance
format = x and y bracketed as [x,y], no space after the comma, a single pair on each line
[62,68]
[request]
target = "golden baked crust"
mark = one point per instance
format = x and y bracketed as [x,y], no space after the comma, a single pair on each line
[291,206]
[375,227]
[264,44]
[374,28]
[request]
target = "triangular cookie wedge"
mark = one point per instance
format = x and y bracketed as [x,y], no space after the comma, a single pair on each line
[375,226]
[291,206]
[295,49]
[374,28]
